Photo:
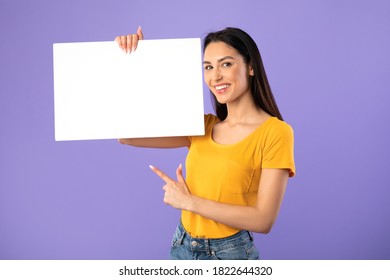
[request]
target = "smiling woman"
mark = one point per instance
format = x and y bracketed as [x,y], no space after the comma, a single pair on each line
[237,172]
[245,52]
[227,77]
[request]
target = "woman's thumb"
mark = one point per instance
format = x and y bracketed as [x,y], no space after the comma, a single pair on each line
[179,174]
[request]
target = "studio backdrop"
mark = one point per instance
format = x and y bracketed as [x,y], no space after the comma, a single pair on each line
[328,63]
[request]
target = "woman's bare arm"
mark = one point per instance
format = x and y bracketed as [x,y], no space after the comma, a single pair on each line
[157,142]
[259,218]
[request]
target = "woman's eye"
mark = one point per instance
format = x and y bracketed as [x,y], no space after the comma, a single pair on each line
[226,64]
[208,67]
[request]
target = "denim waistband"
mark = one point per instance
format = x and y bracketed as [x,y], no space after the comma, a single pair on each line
[183,237]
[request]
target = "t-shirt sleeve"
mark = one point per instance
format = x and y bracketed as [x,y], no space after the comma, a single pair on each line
[278,151]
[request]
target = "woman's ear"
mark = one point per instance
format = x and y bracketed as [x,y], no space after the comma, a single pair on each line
[251,72]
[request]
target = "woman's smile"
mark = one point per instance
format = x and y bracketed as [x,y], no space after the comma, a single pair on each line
[221,88]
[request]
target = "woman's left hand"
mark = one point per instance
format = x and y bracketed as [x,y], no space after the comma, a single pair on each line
[177,194]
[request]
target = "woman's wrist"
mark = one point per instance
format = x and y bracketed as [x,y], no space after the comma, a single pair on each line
[191,203]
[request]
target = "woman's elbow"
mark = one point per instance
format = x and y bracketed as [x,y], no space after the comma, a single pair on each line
[266,230]
[263,230]
[124,141]
[264,227]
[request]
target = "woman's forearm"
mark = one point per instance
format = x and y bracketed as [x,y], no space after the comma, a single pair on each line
[241,217]
[157,142]
[258,218]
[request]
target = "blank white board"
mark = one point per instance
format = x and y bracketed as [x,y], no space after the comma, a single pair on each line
[102,93]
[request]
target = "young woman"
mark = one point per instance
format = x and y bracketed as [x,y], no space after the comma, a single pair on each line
[237,172]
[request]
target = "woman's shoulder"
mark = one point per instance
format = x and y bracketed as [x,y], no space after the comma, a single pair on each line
[277,127]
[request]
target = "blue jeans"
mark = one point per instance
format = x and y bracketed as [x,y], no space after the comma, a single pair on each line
[239,246]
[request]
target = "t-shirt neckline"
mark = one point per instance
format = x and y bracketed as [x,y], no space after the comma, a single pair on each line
[240,141]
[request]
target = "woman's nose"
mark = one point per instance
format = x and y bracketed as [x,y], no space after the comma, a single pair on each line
[217,75]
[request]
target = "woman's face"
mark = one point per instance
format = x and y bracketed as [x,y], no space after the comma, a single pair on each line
[225,72]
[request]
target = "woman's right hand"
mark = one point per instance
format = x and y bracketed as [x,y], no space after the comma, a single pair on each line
[128,43]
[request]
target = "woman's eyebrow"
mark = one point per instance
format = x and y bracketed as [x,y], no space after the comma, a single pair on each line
[219,60]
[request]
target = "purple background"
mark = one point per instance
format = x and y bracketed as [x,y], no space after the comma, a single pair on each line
[328,63]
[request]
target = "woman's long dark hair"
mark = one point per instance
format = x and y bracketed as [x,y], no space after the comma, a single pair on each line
[259,86]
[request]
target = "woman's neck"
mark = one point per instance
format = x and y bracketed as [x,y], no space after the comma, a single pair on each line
[243,110]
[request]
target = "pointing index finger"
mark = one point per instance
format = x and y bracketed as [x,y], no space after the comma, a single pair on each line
[161,174]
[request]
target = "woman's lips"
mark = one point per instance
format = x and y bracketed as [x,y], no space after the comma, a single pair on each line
[221,88]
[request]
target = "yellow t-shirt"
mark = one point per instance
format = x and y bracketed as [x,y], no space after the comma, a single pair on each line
[231,173]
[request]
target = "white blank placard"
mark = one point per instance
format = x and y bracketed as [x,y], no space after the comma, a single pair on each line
[102,93]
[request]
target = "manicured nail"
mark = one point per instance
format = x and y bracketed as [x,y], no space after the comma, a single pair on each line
[151,167]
